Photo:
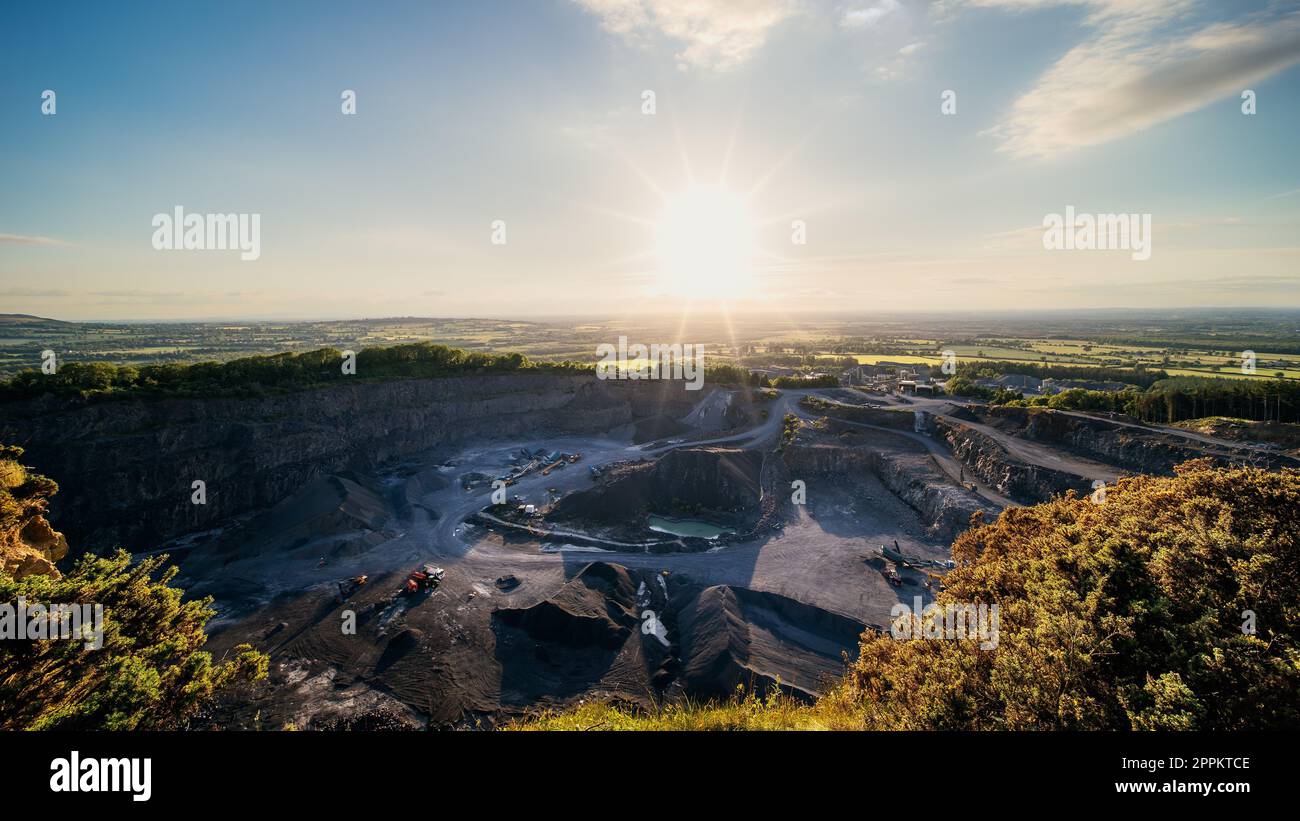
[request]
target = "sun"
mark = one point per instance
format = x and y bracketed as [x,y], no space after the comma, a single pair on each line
[705,244]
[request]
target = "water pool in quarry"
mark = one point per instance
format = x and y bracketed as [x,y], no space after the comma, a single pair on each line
[686,527]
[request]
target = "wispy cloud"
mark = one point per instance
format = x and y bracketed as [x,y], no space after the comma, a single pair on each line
[1143,63]
[136,293]
[29,239]
[716,34]
[48,293]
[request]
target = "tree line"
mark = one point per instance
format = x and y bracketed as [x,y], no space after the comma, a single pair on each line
[271,373]
[1182,398]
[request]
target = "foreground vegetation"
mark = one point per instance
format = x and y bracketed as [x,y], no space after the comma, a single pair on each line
[1174,604]
[149,673]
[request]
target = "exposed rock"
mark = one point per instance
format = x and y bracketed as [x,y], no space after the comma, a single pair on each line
[946,510]
[992,463]
[1139,449]
[719,483]
[127,465]
[337,515]
[28,543]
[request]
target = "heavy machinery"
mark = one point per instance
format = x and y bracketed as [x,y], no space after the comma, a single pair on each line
[349,586]
[890,572]
[897,557]
[893,555]
[424,580]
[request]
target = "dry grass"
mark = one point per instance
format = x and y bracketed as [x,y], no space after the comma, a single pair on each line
[744,711]
[12,474]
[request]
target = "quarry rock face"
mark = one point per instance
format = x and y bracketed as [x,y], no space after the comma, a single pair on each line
[946,509]
[990,462]
[126,467]
[1140,450]
[717,480]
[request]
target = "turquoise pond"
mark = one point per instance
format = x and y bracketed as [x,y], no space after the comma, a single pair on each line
[686,527]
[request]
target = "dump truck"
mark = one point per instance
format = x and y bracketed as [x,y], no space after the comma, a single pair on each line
[424,580]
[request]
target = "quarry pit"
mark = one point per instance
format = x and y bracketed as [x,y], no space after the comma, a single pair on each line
[651,544]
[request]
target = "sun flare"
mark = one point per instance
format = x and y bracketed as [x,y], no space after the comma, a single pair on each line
[705,244]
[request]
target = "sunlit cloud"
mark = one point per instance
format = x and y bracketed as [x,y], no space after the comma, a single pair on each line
[715,35]
[1141,65]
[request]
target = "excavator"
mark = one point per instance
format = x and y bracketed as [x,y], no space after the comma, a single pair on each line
[350,586]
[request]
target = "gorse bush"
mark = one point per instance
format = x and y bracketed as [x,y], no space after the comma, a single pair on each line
[150,671]
[1128,614]
[149,674]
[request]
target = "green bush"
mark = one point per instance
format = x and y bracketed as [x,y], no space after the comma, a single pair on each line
[150,673]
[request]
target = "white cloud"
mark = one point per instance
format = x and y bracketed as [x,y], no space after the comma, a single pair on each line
[868,16]
[1144,63]
[716,34]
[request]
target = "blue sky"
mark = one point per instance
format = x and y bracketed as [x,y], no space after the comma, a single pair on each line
[531,113]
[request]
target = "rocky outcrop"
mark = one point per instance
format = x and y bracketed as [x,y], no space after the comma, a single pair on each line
[128,466]
[29,545]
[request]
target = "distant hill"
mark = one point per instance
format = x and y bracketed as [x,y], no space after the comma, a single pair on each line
[28,319]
